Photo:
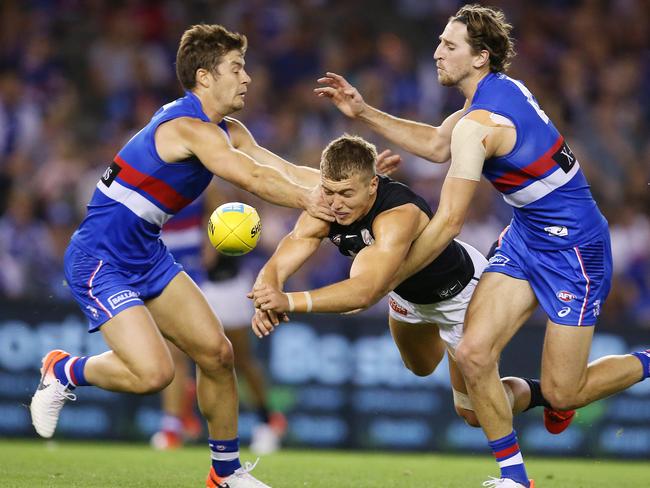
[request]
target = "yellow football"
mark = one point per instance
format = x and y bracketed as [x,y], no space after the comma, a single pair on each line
[234,228]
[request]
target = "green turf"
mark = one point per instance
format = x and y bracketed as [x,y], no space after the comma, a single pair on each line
[36,464]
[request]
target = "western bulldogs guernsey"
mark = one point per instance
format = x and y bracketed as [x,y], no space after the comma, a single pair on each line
[444,278]
[139,192]
[540,178]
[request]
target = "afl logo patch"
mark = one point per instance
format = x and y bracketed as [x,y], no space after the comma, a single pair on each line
[565,296]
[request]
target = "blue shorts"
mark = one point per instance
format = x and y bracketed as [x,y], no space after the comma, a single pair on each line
[571,284]
[102,290]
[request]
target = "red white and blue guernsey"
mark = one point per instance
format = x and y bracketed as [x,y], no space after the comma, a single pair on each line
[116,259]
[558,239]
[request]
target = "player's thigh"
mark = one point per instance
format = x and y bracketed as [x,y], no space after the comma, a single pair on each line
[420,345]
[184,317]
[498,308]
[565,357]
[134,337]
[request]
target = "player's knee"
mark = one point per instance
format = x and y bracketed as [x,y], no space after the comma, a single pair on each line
[468,416]
[216,357]
[420,369]
[560,397]
[155,379]
[472,359]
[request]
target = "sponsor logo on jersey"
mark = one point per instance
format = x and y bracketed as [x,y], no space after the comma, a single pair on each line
[498,260]
[557,230]
[564,158]
[397,307]
[121,297]
[110,174]
[565,296]
[564,312]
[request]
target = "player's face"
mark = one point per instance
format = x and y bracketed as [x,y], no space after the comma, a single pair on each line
[230,83]
[453,55]
[350,199]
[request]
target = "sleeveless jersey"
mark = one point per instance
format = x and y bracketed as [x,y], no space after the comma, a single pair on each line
[183,235]
[140,192]
[540,178]
[444,278]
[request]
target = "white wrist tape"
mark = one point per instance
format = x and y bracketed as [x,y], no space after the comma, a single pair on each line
[292,306]
[309,301]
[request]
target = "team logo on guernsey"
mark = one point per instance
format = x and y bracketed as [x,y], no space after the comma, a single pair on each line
[336,240]
[397,307]
[110,174]
[121,297]
[565,296]
[498,260]
[367,238]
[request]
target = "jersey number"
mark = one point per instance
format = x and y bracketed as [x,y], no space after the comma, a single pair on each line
[531,99]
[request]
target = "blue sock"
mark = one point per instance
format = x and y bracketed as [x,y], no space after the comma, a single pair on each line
[70,371]
[506,451]
[225,456]
[644,357]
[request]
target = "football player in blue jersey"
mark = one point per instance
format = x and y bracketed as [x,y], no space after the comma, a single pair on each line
[555,253]
[124,278]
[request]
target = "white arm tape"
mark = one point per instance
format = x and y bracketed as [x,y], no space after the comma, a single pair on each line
[467,149]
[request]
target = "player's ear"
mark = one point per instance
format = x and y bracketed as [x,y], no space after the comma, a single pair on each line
[202,77]
[481,59]
[374,182]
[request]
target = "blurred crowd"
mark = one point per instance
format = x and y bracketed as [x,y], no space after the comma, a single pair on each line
[78,78]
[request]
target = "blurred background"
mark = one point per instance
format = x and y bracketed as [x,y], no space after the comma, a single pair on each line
[78,78]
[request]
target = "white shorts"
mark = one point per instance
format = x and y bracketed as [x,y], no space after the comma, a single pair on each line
[228,299]
[448,315]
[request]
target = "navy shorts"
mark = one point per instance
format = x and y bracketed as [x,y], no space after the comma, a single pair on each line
[102,290]
[571,284]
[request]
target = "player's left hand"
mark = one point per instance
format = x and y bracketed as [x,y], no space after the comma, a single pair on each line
[263,323]
[387,162]
[265,297]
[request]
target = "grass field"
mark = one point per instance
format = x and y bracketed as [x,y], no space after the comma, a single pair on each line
[37,464]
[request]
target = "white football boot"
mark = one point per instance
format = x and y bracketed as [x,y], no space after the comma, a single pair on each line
[239,479]
[50,396]
[505,483]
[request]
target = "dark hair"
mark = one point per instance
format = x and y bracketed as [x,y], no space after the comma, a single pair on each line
[347,156]
[203,46]
[488,29]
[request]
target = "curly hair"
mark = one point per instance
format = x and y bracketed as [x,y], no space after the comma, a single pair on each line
[488,29]
[203,46]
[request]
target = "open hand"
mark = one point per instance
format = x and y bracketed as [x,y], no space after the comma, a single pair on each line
[387,162]
[346,97]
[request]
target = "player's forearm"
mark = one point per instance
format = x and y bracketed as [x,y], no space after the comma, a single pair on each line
[271,185]
[434,239]
[341,297]
[415,137]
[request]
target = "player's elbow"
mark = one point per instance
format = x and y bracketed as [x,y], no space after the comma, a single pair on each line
[438,153]
[453,223]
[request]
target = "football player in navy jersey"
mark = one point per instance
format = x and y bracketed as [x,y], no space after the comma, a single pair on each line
[377,220]
[555,253]
[124,278]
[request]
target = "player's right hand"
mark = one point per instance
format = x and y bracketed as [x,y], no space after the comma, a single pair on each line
[387,162]
[264,322]
[346,97]
[317,207]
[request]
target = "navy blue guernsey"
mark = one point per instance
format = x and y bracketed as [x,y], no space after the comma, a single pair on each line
[444,278]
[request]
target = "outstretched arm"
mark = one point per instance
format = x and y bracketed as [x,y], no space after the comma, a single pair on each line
[243,140]
[292,252]
[371,272]
[472,143]
[180,138]
[421,139]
